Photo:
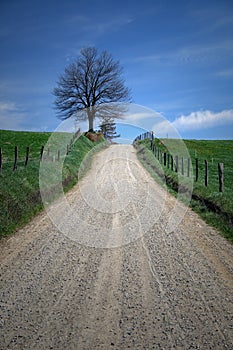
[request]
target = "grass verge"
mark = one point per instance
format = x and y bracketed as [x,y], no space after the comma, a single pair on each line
[20,197]
[214,207]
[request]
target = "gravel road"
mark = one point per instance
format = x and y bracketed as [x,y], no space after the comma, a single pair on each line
[106,273]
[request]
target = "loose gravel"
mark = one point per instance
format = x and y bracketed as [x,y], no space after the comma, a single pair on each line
[119,280]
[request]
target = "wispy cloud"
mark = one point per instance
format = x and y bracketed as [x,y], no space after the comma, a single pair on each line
[100,24]
[133,117]
[225,73]
[11,116]
[203,120]
[190,54]
[114,24]
[213,17]
[91,28]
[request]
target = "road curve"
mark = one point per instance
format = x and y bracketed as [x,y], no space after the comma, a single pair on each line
[107,274]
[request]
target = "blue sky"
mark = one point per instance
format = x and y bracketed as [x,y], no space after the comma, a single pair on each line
[177,58]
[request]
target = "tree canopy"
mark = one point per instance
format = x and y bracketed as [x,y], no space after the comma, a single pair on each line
[88,84]
[108,128]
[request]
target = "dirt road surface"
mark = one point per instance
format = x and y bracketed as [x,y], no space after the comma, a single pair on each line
[118,280]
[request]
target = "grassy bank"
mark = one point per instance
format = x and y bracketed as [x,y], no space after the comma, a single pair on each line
[20,197]
[215,207]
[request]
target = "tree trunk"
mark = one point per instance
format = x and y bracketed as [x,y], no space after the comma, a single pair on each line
[90,114]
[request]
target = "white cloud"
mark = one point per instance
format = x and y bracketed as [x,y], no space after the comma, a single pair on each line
[11,116]
[203,120]
[193,122]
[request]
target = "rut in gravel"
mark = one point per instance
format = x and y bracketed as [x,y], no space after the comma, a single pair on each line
[106,274]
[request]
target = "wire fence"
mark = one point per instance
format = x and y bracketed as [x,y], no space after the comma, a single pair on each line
[44,154]
[179,164]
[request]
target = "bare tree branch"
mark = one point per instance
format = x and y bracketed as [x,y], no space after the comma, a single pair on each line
[92,80]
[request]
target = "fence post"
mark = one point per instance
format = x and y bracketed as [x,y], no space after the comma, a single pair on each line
[27,156]
[58,155]
[165,158]
[41,152]
[16,158]
[206,173]
[196,169]
[177,164]
[188,173]
[168,160]
[172,163]
[182,165]
[0,161]
[220,177]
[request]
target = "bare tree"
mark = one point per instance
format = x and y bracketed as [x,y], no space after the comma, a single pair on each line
[88,84]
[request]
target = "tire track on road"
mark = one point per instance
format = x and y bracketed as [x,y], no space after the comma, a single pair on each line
[131,285]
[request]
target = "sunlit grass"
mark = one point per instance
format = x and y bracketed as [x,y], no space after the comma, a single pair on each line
[20,197]
[214,206]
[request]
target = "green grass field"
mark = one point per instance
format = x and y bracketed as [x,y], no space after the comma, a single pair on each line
[20,197]
[215,207]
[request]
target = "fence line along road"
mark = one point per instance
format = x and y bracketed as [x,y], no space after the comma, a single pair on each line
[173,163]
[43,156]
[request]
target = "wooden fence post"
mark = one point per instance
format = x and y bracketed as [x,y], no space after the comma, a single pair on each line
[220,177]
[168,160]
[16,159]
[172,163]
[0,161]
[41,152]
[58,155]
[177,164]
[165,158]
[196,169]
[206,173]
[188,172]
[182,165]
[27,156]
